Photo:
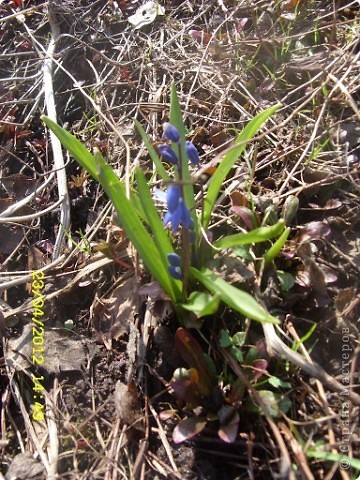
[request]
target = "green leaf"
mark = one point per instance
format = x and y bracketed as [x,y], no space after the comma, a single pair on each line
[285,404]
[334,457]
[277,382]
[225,339]
[271,400]
[239,339]
[237,299]
[276,248]
[125,209]
[287,281]
[202,304]
[230,158]
[161,236]
[74,146]
[261,234]
[243,251]
[237,354]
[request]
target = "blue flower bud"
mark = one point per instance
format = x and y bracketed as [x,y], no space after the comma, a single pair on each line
[173,195]
[192,153]
[171,132]
[186,219]
[175,272]
[173,219]
[178,213]
[168,154]
[174,260]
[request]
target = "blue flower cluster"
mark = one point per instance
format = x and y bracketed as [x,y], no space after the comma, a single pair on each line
[175,265]
[167,152]
[178,213]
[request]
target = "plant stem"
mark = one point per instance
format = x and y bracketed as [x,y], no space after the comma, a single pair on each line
[185,238]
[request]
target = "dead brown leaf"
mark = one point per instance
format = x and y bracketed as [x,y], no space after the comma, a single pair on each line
[128,405]
[10,237]
[19,185]
[111,316]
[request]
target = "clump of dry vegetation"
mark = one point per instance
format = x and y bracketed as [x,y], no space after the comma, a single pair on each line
[97,379]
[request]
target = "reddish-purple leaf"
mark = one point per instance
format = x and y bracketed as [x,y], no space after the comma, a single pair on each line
[229,420]
[331,204]
[188,428]
[313,231]
[200,36]
[186,385]
[302,278]
[247,216]
[330,275]
[191,352]
[260,368]
[240,24]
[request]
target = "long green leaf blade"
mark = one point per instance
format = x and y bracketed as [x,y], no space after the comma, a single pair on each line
[152,152]
[237,299]
[231,158]
[76,148]
[127,214]
[161,237]
[261,234]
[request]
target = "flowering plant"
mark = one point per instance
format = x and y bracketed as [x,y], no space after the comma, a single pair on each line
[177,265]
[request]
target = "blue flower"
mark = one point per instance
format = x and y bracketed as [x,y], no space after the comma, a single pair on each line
[171,132]
[173,219]
[186,219]
[174,259]
[175,272]
[173,195]
[175,265]
[168,154]
[192,153]
[178,213]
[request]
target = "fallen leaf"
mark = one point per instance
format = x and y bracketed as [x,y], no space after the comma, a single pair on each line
[10,237]
[188,428]
[19,185]
[127,404]
[200,36]
[111,316]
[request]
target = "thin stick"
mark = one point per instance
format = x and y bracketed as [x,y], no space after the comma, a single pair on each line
[276,347]
[55,142]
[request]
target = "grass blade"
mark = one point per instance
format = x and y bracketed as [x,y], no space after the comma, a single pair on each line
[152,152]
[230,159]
